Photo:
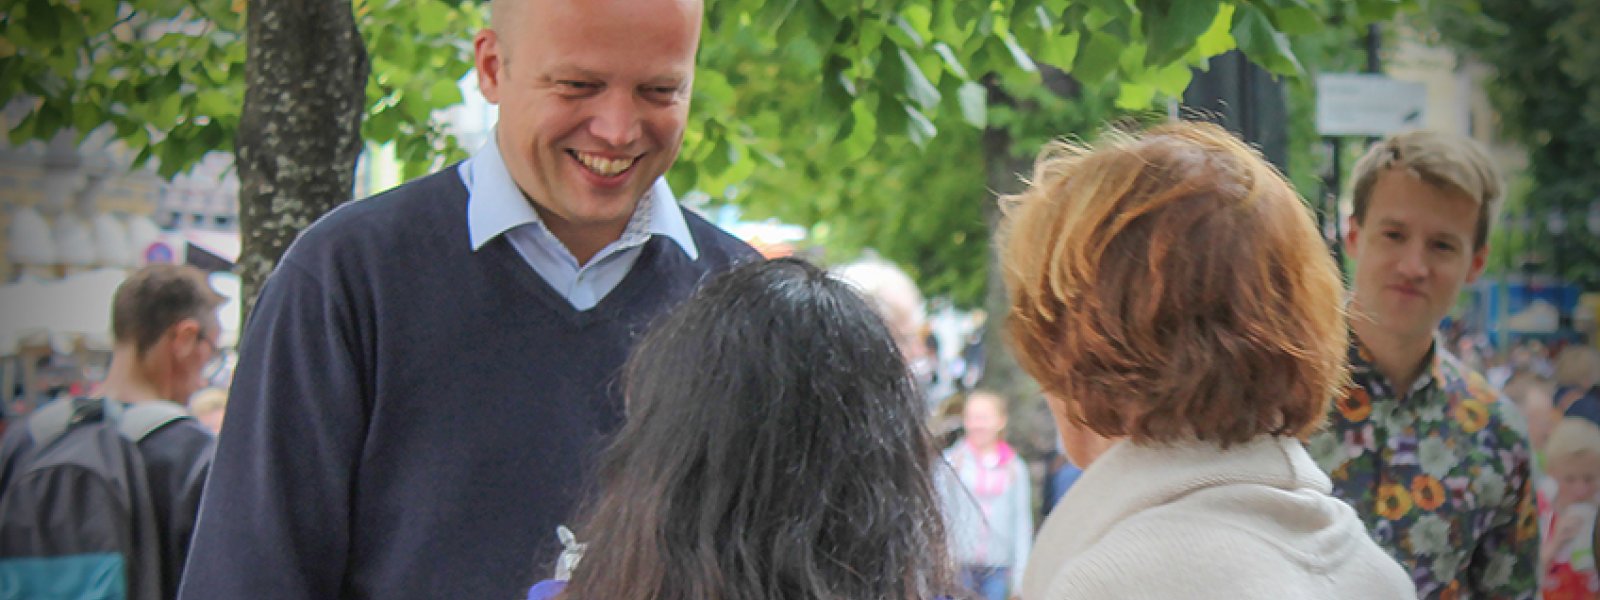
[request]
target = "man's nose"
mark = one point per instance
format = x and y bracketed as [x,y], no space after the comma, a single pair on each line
[616,119]
[1413,261]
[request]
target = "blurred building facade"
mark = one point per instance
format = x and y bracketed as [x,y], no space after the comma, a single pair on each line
[69,206]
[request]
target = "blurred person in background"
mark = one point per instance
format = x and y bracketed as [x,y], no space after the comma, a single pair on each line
[1059,476]
[1567,554]
[209,406]
[987,499]
[1534,397]
[898,300]
[165,332]
[1577,377]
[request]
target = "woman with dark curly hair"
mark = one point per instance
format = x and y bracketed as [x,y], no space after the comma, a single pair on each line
[1173,298]
[774,448]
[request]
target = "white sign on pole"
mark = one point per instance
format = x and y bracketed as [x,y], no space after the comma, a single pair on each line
[1358,104]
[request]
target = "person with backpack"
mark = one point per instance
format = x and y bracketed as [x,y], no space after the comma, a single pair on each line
[99,494]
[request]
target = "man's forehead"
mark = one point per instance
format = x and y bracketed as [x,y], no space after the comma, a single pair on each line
[1424,223]
[1407,200]
[560,13]
[603,34]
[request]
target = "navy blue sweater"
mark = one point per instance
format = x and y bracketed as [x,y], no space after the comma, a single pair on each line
[410,419]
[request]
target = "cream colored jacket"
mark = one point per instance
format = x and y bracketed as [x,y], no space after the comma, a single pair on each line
[1195,522]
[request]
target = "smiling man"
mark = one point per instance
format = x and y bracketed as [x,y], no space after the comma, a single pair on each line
[1420,445]
[429,372]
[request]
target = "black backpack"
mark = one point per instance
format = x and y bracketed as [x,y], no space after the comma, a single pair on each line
[76,517]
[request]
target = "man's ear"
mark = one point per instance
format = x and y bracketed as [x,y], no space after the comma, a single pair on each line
[489,57]
[185,334]
[1480,259]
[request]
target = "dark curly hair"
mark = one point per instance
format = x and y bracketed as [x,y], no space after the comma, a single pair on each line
[774,448]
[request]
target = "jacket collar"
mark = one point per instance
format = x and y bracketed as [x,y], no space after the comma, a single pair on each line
[1130,478]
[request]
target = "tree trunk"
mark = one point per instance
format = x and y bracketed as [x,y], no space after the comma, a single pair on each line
[300,128]
[1030,423]
[1032,426]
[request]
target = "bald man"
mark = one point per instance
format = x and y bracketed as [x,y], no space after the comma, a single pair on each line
[429,372]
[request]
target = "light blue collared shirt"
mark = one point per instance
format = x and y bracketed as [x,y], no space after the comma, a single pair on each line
[496,206]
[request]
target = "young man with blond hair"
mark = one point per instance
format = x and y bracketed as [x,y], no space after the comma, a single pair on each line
[1439,469]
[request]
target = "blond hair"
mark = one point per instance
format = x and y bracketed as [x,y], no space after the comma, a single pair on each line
[891,292]
[208,400]
[1573,438]
[1578,367]
[1172,284]
[993,398]
[1444,161]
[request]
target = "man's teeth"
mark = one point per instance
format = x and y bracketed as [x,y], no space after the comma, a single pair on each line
[605,167]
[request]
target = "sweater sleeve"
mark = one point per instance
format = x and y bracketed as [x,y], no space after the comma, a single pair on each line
[275,515]
[1022,507]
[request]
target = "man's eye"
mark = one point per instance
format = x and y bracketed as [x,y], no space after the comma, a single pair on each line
[579,86]
[666,92]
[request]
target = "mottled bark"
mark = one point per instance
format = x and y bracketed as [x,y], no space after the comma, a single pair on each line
[1030,423]
[300,130]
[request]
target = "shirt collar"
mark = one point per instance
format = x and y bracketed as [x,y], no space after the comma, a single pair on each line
[496,205]
[1363,372]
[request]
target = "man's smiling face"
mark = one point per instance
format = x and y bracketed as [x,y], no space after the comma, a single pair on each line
[593,97]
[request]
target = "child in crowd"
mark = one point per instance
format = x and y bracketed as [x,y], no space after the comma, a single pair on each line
[1572,459]
[987,500]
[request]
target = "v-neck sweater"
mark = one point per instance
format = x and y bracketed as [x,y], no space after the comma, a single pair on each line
[413,419]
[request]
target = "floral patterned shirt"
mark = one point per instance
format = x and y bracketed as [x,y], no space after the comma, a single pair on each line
[1442,477]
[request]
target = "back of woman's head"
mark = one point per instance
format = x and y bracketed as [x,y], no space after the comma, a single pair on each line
[774,448]
[1171,285]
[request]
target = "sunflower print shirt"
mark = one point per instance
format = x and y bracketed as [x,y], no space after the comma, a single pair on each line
[1441,477]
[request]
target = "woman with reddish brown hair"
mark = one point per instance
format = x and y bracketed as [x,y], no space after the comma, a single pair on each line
[1173,298]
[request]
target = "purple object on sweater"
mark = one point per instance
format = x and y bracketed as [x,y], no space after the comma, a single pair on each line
[547,589]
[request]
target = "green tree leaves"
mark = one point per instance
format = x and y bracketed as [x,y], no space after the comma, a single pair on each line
[1172,26]
[168,75]
[812,110]
[1547,90]
[1264,44]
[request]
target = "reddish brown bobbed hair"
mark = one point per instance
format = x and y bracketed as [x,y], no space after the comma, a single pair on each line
[1171,285]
